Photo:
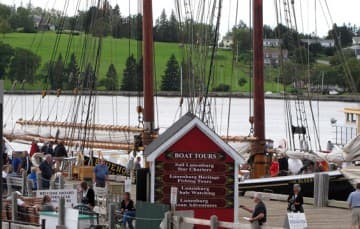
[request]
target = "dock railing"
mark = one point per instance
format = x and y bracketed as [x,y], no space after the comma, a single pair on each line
[174,222]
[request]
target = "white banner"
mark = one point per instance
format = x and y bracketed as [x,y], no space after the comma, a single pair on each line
[70,196]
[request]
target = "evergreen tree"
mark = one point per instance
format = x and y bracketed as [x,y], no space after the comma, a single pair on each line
[139,74]
[111,82]
[161,27]
[129,82]
[72,73]
[23,65]
[6,52]
[171,78]
[57,73]
[4,26]
[88,77]
[173,29]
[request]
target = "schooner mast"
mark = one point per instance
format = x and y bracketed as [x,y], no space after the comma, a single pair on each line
[148,72]
[259,162]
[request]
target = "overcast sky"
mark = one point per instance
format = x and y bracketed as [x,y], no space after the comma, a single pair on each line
[342,11]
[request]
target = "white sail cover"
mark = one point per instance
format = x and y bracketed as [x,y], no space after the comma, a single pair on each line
[352,173]
[335,156]
[297,154]
[352,149]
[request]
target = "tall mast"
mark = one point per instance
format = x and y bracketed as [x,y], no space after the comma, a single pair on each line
[148,71]
[259,166]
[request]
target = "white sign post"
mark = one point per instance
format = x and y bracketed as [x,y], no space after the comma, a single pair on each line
[127,186]
[70,196]
[296,221]
[173,195]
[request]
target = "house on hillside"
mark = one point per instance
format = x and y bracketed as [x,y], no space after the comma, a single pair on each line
[325,43]
[272,43]
[273,56]
[356,50]
[356,41]
[41,24]
[227,42]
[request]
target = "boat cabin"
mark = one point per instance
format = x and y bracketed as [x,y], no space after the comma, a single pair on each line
[352,117]
[351,127]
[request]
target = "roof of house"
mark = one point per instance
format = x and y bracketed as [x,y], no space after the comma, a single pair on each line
[181,128]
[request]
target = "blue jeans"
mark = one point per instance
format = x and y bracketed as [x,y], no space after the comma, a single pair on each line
[128,217]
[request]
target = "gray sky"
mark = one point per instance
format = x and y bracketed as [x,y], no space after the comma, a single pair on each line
[342,11]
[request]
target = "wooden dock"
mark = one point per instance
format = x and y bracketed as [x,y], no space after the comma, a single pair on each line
[317,218]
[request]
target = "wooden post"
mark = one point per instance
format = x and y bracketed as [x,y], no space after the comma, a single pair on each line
[29,185]
[214,223]
[61,220]
[168,216]
[24,183]
[321,189]
[112,222]
[14,206]
[61,182]
[39,182]
[43,223]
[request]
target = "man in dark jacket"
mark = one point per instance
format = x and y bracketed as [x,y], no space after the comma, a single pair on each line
[26,163]
[296,200]
[46,171]
[60,150]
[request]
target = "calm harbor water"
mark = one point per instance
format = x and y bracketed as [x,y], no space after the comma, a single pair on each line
[121,110]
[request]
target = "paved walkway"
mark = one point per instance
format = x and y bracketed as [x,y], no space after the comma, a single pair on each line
[317,218]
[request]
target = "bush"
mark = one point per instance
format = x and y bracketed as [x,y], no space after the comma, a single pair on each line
[222,87]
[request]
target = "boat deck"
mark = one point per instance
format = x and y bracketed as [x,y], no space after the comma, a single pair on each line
[317,218]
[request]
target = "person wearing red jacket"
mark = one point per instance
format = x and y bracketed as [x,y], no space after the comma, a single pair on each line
[274,168]
[34,148]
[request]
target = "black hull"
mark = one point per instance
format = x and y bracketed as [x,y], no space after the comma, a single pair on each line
[339,187]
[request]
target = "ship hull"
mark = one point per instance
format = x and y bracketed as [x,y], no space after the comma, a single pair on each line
[339,187]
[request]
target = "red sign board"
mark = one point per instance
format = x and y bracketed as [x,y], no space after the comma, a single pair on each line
[203,174]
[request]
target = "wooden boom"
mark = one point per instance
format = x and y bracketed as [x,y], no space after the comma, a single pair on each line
[72,142]
[106,127]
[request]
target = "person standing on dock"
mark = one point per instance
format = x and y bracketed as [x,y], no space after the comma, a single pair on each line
[296,200]
[258,217]
[101,173]
[88,195]
[46,171]
[354,204]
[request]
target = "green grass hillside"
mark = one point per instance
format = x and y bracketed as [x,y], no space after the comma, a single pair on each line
[116,51]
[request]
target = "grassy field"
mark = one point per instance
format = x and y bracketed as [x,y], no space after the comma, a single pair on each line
[116,51]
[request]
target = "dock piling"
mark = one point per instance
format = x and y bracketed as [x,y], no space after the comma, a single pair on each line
[61,220]
[321,189]
[112,208]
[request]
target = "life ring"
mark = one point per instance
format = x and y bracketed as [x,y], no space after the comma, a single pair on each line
[36,159]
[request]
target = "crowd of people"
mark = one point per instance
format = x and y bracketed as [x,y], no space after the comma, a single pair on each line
[283,166]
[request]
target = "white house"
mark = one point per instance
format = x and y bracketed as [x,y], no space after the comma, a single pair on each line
[356,41]
[228,42]
[325,43]
[271,42]
[356,49]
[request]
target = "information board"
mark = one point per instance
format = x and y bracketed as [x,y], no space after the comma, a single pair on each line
[203,179]
[70,196]
[296,221]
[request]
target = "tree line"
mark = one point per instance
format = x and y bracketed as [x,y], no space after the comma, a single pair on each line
[301,54]
[23,65]
[98,21]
